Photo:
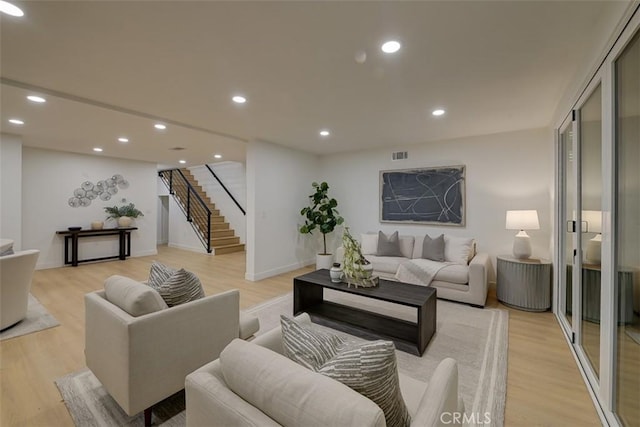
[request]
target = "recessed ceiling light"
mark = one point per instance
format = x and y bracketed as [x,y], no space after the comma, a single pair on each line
[217,156]
[324,132]
[16,121]
[391,46]
[160,126]
[182,161]
[438,112]
[123,139]
[239,99]
[10,9]
[97,149]
[34,98]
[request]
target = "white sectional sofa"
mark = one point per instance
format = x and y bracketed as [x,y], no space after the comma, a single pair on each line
[461,277]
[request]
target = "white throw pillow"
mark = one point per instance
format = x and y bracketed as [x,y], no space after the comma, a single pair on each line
[458,249]
[369,243]
[133,297]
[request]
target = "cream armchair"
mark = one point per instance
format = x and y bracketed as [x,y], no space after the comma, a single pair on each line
[143,360]
[16,272]
[271,390]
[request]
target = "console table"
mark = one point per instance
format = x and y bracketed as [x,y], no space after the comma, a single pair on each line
[308,297]
[123,233]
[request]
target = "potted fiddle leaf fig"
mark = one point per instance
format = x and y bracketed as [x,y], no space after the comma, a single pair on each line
[321,215]
[123,214]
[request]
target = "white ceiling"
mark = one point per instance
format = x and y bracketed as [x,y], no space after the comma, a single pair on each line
[110,67]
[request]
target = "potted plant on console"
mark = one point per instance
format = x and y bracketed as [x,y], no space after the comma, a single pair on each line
[321,215]
[123,214]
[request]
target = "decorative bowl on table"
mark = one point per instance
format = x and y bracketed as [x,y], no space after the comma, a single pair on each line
[75,228]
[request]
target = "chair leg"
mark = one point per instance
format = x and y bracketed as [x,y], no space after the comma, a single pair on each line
[147,417]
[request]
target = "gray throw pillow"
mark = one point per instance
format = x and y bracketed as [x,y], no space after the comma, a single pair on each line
[371,369]
[307,347]
[180,286]
[388,246]
[433,249]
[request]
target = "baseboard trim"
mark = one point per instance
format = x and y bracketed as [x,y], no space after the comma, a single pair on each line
[276,271]
[200,249]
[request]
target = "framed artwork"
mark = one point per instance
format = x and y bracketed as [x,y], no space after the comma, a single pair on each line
[430,195]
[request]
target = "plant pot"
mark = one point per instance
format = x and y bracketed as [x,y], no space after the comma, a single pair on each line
[324,261]
[125,221]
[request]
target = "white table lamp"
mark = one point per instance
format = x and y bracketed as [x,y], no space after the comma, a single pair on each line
[522,220]
[593,220]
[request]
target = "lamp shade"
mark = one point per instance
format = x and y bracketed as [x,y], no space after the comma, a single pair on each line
[522,220]
[593,220]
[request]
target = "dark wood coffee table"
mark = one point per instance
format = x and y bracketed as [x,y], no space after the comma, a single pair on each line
[308,297]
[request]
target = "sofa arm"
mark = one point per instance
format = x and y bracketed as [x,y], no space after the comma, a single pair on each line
[141,360]
[440,401]
[479,268]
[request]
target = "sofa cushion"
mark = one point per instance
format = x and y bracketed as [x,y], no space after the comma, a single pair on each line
[406,245]
[370,368]
[388,245]
[458,249]
[133,297]
[369,243]
[454,273]
[291,394]
[308,347]
[179,287]
[385,264]
[433,249]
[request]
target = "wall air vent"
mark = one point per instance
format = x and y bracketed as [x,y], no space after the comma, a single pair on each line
[177,148]
[400,155]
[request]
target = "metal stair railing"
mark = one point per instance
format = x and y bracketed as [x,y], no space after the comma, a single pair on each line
[225,189]
[189,201]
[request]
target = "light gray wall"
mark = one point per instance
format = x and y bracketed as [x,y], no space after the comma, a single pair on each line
[11,189]
[278,185]
[503,172]
[48,180]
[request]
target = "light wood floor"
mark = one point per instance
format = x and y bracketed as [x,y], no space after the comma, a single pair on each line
[544,387]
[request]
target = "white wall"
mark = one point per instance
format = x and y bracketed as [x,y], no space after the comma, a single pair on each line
[180,233]
[48,181]
[11,189]
[278,185]
[234,177]
[503,172]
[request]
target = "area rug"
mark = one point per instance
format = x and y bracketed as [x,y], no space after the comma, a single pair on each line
[476,338]
[38,319]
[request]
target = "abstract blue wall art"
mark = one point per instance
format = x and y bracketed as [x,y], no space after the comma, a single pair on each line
[433,195]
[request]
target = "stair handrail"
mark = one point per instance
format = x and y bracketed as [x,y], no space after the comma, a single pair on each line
[201,202]
[225,189]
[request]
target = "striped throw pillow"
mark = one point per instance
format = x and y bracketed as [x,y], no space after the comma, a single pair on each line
[159,274]
[178,286]
[308,347]
[371,370]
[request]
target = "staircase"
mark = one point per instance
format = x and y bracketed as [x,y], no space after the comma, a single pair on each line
[222,239]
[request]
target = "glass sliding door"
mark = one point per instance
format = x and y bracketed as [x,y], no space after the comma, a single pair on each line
[567,219]
[627,234]
[590,140]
